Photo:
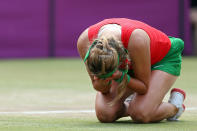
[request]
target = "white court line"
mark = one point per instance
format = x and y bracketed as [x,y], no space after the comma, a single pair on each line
[67,111]
[50,112]
[191,108]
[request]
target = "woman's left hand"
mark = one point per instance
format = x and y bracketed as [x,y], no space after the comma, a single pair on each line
[116,75]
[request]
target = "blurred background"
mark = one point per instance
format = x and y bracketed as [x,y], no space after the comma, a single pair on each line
[40,69]
[50,28]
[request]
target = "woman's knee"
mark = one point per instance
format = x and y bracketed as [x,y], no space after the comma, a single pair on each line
[106,116]
[140,114]
[107,113]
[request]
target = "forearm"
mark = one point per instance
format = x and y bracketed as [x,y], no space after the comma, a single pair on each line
[137,86]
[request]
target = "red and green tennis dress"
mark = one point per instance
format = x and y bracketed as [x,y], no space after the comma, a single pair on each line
[165,51]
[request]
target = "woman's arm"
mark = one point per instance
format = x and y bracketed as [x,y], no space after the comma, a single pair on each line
[139,52]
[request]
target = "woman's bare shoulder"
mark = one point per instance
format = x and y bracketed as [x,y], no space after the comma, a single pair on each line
[138,39]
[83,43]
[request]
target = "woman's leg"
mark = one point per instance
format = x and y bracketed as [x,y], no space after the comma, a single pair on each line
[149,107]
[109,113]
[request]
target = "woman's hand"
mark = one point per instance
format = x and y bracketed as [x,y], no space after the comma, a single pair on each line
[104,82]
[116,75]
[102,85]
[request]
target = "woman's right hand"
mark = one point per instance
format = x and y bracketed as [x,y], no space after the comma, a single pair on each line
[104,82]
[116,75]
[102,85]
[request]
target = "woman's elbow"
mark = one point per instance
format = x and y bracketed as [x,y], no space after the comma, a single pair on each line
[143,90]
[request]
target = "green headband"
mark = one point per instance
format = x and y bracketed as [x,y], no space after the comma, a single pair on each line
[87,55]
[88,52]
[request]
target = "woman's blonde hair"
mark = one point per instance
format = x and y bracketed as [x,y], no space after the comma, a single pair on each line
[105,56]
